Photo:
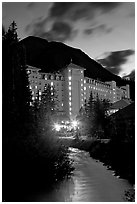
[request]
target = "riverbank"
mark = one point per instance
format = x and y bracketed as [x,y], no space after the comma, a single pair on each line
[90,182]
[119,156]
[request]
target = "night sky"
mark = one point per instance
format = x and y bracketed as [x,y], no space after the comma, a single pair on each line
[103,30]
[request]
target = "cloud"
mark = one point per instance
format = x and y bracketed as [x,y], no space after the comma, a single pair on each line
[80,10]
[115,60]
[31,5]
[98,29]
[59,31]
[63,16]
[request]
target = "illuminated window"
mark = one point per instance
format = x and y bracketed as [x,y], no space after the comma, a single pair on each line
[70,93]
[84,81]
[69,82]
[81,72]
[81,84]
[36,87]
[51,88]
[46,77]
[33,98]
[69,70]
[81,79]
[69,77]
[28,72]
[84,88]
[70,98]
[52,83]
[32,92]
[70,103]
[89,87]
[51,93]
[40,98]
[70,108]
[69,87]
[62,104]
[70,113]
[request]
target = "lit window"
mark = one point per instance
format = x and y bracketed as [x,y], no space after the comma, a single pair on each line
[32,92]
[36,87]
[70,98]
[30,87]
[81,79]
[69,87]
[46,77]
[81,84]
[89,87]
[33,98]
[81,72]
[70,103]
[28,72]
[51,93]
[51,88]
[69,77]
[62,104]
[40,98]
[70,113]
[69,82]
[84,81]
[52,83]
[94,88]
[84,88]
[84,98]
[70,108]
[70,93]
[69,70]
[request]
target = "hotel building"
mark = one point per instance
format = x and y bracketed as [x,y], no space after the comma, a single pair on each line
[73,88]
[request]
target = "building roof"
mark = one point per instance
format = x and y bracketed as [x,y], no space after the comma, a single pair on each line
[74,66]
[120,104]
[126,113]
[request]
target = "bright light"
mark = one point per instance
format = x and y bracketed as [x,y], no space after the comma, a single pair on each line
[52,83]
[74,123]
[69,77]
[69,87]
[57,127]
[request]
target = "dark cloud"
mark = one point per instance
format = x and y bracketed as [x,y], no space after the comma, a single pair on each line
[105,6]
[98,29]
[114,60]
[60,31]
[63,15]
[78,10]
[31,5]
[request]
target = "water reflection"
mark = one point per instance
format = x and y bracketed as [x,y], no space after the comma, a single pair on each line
[91,182]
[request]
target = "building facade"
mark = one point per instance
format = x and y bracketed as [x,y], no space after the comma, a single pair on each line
[73,88]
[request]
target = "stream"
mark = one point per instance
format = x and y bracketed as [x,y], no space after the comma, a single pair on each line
[90,182]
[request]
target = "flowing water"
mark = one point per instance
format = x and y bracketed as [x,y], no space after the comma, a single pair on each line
[91,182]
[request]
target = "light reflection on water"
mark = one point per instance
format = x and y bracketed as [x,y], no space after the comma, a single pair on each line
[91,182]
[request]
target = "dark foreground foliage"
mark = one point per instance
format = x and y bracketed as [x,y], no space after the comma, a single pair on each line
[31,168]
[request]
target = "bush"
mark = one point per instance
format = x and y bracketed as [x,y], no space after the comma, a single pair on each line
[32,165]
